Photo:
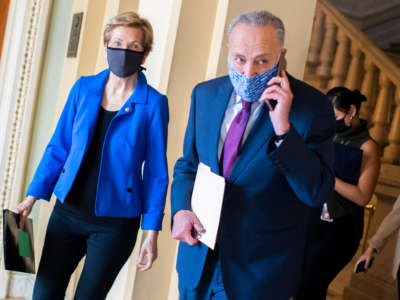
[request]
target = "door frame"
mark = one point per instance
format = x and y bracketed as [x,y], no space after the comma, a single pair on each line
[20,65]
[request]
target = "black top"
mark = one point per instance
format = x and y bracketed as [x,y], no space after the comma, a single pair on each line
[81,198]
[354,136]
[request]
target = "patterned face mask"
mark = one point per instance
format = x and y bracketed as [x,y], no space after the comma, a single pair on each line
[251,88]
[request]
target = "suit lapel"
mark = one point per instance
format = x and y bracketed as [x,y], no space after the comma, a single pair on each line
[260,133]
[222,97]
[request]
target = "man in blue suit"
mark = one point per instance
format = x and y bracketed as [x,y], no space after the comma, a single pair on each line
[277,163]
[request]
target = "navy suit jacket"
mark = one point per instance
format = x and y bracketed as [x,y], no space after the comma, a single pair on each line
[268,193]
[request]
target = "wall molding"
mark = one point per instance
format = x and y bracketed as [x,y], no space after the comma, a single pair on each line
[23,48]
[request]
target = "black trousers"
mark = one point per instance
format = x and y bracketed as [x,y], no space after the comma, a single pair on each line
[68,240]
[398,283]
[330,247]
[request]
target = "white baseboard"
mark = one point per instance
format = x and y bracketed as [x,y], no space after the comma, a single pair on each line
[16,285]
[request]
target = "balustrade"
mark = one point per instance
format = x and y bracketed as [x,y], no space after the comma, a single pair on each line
[327,53]
[340,63]
[380,118]
[315,42]
[369,89]
[355,73]
[341,55]
[392,152]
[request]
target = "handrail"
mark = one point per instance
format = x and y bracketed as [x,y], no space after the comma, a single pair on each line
[381,60]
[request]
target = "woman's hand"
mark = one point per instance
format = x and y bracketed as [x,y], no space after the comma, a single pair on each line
[148,252]
[367,256]
[24,209]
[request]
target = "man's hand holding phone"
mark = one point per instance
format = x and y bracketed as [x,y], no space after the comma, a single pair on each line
[271,103]
[278,97]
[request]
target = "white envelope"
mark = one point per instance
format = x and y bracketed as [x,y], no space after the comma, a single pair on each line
[207,197]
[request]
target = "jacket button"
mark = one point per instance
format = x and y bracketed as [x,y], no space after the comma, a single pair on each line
[63,170]
[127,109]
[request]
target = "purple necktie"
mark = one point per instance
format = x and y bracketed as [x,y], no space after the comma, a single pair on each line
[233,138]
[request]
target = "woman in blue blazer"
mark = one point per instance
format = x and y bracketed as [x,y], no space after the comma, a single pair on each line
[106,164]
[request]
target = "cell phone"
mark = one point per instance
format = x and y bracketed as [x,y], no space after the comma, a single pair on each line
[360,266]
[271,103]
[281,64]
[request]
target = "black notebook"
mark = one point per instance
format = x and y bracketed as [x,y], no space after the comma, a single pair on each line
[17,244]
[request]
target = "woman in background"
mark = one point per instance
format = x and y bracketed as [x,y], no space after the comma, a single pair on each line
[113,123]
[335,234]
[389,226]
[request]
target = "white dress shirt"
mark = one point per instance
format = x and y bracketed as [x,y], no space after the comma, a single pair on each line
[234,106]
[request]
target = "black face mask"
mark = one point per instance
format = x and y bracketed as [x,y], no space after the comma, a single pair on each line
[124,62]
[341,125]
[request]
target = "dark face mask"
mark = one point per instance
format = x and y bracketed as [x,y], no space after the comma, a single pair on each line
[124,62]
[341,125]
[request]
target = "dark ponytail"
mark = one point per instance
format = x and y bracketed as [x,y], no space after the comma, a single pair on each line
[342,98]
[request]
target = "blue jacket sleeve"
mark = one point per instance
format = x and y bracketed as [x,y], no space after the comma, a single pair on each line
[155,172]
[307,162]
[186,167]
[56,152]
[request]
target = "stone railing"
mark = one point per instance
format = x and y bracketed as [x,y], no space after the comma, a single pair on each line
[341,55]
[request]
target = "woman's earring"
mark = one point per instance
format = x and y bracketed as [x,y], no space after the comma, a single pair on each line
[351,118]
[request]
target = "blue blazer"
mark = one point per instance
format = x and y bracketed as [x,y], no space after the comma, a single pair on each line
[268,194]
[136,135]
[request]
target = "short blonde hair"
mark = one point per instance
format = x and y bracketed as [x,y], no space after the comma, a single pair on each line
[131,19]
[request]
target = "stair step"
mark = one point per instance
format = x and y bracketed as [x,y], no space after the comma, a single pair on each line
[351,293]
[364,287]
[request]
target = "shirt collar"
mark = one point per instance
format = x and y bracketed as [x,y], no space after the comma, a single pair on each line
[237,99]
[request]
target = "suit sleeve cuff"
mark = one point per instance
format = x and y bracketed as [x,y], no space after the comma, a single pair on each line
[40,191]
[152,221]
[376,243]
[283,152]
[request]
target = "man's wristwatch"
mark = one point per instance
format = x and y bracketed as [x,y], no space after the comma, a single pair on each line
[279,137]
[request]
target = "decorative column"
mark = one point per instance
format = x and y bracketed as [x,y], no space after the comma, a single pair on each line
[380,119]
[353,80]
[368,88]
[392,152]
[341,61]
[327,53]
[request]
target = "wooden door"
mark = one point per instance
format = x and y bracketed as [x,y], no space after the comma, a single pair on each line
[4,4]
